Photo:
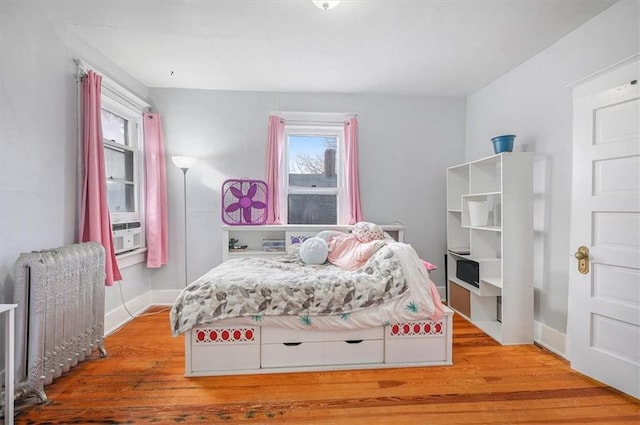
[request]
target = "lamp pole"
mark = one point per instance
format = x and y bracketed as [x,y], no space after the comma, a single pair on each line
[184,163]
[184,180]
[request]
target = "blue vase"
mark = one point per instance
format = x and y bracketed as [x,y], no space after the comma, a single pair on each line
[503,143]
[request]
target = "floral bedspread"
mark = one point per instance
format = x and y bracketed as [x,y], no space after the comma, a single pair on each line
[260,288]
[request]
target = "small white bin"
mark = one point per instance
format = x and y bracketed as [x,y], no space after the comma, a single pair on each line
[478,213]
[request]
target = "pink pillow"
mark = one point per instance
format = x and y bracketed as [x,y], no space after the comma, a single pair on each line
[349,253]
[367,232]
[427,265]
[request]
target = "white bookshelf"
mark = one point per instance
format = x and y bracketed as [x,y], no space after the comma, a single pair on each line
[501,304]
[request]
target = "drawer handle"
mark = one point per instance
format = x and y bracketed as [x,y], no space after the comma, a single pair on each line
[292,344]
[353,341]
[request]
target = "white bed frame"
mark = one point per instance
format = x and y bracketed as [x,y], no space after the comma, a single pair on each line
[231,349]
[241,349]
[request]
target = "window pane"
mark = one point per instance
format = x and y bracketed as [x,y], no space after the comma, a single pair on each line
[312,161]
[114,127]
[120,197]
[312,209]
[118,163]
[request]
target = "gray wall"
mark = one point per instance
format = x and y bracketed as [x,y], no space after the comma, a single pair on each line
[38,140]
[406,143]
[534,102]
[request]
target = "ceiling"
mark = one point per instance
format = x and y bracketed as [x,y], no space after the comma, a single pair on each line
[418,47]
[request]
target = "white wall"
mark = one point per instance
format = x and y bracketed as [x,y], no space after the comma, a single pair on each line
[406,143]
[38,152]
[533,102]
[38,139]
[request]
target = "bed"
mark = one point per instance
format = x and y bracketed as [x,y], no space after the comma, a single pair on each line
[282,314]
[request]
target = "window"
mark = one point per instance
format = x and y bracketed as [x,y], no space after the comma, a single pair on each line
[121,119]
[121,122]
[312,168]
[121,132]
[313,174]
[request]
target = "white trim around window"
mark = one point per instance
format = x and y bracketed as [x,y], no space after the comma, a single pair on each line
[320,128]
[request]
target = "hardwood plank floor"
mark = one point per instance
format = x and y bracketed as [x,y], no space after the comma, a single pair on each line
[141,381]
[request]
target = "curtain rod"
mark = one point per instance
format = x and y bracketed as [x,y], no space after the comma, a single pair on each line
[111,86]
[315,117]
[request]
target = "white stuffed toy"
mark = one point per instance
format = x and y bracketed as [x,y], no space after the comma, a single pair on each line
[314,251]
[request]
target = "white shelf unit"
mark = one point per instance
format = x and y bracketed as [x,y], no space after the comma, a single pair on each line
[501,304]
[253,236]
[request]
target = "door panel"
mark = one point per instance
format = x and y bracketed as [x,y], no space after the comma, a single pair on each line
[604,304]
[618,285]
[617,122]
[617,176]
[616,230]
[615,338]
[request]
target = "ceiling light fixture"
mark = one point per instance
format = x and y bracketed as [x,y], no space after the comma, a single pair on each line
[326,4]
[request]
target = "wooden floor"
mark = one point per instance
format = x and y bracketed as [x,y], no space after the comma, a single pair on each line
[141,382]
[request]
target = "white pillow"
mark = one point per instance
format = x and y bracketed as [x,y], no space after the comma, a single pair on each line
[314,251]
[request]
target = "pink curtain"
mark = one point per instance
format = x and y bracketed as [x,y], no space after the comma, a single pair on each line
[156,220]
[275,158]
[95,223]
[352,182]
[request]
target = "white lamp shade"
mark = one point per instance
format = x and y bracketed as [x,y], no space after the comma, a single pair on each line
[326,4]
[184,162]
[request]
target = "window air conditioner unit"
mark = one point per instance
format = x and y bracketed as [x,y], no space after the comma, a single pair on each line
[127,236]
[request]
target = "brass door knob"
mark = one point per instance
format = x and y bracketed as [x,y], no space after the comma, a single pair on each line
[582,255]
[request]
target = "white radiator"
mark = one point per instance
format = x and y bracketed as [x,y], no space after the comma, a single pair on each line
[60,313]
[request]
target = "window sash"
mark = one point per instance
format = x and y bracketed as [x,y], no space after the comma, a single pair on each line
[132,167]
[312,208]
[121,197]
[119,137]
[312,166]
[119,162]
[309,129]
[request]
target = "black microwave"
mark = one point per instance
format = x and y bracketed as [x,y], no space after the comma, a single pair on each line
[469,272]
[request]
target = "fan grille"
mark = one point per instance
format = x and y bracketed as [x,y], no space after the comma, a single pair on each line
[244,202]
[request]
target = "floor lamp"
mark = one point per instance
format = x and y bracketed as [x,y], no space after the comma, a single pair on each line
[184,163]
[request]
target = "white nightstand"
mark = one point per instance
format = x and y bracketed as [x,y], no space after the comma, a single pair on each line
[8,361]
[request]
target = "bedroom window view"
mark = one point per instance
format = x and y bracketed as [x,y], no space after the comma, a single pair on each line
[119,156]
[312,178]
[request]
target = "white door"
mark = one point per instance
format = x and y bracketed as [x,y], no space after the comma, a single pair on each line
[604,302]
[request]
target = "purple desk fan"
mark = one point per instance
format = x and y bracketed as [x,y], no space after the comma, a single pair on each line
[244,202]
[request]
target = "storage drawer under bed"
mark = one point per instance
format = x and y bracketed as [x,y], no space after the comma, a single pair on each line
[293,347]
[272,335]
[322,353]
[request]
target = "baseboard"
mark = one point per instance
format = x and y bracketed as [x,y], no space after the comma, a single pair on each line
[165,297]
[550,339]
[116,318]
